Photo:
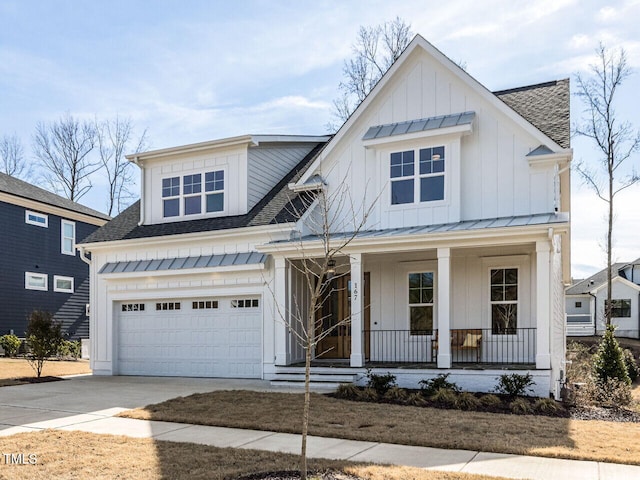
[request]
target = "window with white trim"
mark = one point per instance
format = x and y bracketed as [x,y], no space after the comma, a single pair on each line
[421,303]
[35,218]
[191,188]
[35,281]
[62,284]
[504,300]
[214,188]
[68,237]
[192,200]
[245,303]
[426,183]
[171,197]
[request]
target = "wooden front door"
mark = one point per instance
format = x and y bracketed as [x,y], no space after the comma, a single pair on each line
[336,308]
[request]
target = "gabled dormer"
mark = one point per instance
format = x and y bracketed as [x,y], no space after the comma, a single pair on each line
[220,178]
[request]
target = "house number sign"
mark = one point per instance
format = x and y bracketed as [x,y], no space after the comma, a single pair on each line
[354,294]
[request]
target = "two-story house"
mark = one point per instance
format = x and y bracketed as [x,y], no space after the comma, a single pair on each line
[41,269]
[461,262]
[586,300]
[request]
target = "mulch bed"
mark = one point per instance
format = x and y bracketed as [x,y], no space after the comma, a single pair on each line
[10,382]
[295,475]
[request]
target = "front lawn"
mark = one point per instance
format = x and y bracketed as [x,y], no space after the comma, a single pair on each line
[79,455]
[14,369]
[406,425]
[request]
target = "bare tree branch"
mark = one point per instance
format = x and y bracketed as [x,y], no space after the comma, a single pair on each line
[13,160]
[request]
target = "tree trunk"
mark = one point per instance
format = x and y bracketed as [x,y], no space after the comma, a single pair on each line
[609,306]
[307,401]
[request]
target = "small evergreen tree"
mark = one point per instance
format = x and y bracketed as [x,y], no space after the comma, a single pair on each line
[608,361]
[44,336]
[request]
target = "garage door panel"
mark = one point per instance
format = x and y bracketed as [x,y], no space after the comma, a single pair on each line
[221,342]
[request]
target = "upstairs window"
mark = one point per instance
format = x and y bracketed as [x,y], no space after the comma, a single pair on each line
[35,218]
[191,189]
[425,183]
[189,198]
[171,197]
[68,237]
[214,186]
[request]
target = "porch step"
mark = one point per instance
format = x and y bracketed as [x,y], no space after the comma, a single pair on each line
[325,379]
[316,377]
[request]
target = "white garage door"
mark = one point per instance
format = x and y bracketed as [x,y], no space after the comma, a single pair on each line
[200,337]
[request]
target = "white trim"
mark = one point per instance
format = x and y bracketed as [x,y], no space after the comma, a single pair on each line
[60,289]
[624,281]
[45,217]
[71,252]
[30,275]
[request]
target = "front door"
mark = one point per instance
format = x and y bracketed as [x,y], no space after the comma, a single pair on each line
[335,317]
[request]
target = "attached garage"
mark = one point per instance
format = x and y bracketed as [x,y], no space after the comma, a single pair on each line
[197,337]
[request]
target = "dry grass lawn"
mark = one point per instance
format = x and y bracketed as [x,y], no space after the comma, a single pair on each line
[331,417]
[13,368]
[76,455]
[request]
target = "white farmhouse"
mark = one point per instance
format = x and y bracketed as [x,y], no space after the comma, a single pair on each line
[468,240]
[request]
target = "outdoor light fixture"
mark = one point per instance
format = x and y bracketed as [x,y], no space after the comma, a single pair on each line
[331,269]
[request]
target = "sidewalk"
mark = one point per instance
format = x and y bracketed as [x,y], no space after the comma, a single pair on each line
[511,466]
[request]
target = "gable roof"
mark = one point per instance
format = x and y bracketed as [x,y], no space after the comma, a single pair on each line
[277,206]
[545,106]
[587,285]
[19,188]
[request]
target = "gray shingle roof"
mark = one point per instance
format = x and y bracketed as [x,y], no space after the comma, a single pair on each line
[420,125]
[545,106]
[20,188]
[277,206]
[594,281]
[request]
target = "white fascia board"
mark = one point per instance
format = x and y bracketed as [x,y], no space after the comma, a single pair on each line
[241,233]
[47,208]
[481,90]
[563,156]
[402,243]
[193,147]
[257,139]
[458,130]
[186,271]
[617,279]
[306,187]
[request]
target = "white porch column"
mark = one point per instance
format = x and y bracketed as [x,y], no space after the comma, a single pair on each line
[281,313]
[543,304]
[443,304]
[357,310]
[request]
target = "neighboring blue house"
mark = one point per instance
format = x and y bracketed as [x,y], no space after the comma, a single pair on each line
[40,266]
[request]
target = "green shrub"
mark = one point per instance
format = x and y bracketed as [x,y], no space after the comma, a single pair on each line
[347,391]
[44,336]
[489,400]
[10,344]
[431,386]
[632,366]
[70,349]
[416,399]
[368,395]
[381,383]
[546,406]
[395,394]
[520,406]
[514,384]
[467,401]
[445,397]
[609,359]
[612,393]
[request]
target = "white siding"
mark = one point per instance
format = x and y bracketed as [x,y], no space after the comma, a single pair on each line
[629,326]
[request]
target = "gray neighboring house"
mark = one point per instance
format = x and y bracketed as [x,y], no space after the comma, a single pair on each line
[585,301]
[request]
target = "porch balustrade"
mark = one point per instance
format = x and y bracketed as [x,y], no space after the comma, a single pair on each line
[482,346]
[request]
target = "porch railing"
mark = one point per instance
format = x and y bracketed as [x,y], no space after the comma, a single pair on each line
[514,346]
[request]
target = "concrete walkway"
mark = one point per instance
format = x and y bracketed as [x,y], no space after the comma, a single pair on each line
[31,408]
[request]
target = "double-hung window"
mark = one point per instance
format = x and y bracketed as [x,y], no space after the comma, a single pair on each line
[191,188]
[504,301]
[421,303]
[620,308]
[214,188]
[425,183]
[171,197]
[68,237]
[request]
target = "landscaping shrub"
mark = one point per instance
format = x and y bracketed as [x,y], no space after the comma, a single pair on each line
[490,401]
[609,359]
[396,394]
[520,406]
[612,393]
[444,397]
[431,386]
[632,366]
[347,391]
[44,336]
[368,395]
[10,344]
[514,384]
[70,349]
[581,366]
[381,383]
[416,399]
[546,406]
[467,401]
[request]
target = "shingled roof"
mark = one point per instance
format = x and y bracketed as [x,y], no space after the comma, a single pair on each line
[19,188]
[583,287]
[545,106]
[280,205]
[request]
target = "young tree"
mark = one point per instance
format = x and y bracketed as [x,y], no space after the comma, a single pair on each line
[375,50]
[331,215]
[608,362]
[615,139]
[114,138]
[63,149]
[12,156]
[44,336]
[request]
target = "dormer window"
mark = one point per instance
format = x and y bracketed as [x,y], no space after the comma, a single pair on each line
[214,186]
[191,189]
[425,183]
[171,197]
[190,200]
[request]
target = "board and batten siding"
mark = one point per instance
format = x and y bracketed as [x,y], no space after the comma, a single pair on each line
[268,164]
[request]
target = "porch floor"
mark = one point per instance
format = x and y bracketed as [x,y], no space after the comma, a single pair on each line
[344,363]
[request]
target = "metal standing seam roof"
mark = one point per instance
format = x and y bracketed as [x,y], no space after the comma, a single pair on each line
[420,125]
[465,225]
[182,263]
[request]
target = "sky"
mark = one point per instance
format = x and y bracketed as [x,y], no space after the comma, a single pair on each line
[191,71]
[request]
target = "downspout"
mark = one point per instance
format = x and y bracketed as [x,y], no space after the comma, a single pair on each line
[593,314]
[136,160]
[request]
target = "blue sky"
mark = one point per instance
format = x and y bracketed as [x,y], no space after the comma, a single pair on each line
[190,71]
